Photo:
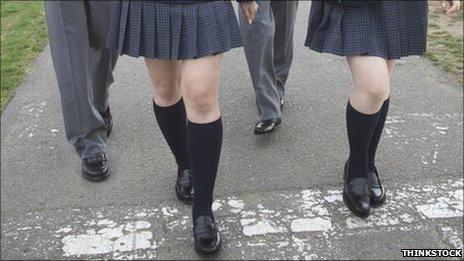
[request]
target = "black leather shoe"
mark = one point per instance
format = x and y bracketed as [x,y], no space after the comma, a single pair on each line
[95,167]
[267,126]
[356,195]
[282,102]
[184,186]
[207,237]
[378,195]
[108,121]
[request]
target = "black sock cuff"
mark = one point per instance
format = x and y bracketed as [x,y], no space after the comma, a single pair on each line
[351,110]
[205,125]
[386,103]
[177,105]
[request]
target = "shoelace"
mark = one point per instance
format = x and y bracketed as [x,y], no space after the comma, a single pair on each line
[97,157]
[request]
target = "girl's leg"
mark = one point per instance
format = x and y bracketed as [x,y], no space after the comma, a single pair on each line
[371,79]
[169,107]
[200,84]
[380,124]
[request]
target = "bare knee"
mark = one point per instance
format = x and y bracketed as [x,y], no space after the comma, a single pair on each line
[166,93]
[375,92]
[202,104]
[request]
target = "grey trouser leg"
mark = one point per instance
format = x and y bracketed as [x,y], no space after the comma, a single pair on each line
[285,17]
[268,44]
[258,42]
[83,66]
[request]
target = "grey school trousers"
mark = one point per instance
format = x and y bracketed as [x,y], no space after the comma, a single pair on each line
[77,31]
[268,44]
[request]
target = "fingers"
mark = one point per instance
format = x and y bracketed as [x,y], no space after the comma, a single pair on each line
[249,11]
[444,6]
[454,8]
[247,15]
[255,8]
[450,7]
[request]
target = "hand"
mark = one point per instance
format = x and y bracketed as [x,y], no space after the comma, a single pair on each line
[450,7]
[249,9]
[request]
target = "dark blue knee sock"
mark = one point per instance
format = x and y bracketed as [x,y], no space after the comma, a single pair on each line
[172,121]
[204,147]
[361,128]
[377,134]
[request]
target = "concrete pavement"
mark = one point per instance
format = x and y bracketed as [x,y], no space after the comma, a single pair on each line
[277,196]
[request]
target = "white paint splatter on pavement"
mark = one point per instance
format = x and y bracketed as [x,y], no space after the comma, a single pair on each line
[311,224]
[262,227]
[109,239]
[314,215]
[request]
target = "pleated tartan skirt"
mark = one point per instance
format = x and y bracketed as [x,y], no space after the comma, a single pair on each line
[390,29]
[173,31]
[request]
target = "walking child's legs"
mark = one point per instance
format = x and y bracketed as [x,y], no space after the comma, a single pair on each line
[200,85]
[169,107]
[371,78]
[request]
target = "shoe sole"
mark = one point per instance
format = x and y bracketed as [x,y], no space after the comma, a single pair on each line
[103,177]
[379,202]
[267,132]
[354,209]
[211,252]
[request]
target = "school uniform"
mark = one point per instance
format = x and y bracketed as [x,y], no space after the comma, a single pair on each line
[388,29]
[175,29]
[83,66]
[268,44]
[180,30]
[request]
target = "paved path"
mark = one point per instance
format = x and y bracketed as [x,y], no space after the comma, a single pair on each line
[278,196]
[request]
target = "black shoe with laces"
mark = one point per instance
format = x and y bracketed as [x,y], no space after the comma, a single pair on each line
[95,167]
[267,126]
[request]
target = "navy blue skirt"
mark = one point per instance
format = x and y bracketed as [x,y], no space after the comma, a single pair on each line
[170,31]
[389,29]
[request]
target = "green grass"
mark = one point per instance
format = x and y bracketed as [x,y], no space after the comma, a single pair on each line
[445,49]
[23,37]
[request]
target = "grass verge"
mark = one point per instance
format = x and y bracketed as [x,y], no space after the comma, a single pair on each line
[23,37]
[445,43]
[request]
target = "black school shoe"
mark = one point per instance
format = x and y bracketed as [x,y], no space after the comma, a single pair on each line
[95,167]
[378,194]
[184,186]
[357,194]
[207,237]
[267,126]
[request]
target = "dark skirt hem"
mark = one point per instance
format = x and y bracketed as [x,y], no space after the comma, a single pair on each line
[376,54]
[389,29]
[167,31]
[211,52]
